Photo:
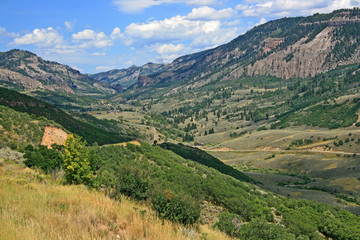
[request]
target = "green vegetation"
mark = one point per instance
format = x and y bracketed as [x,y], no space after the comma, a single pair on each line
[176,186]
[325,116]
[206,159]
[48,160]
[76,164]
[17,129]
[256,229]
[90,133]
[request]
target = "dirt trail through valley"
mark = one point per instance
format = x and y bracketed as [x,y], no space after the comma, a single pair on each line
[222,149]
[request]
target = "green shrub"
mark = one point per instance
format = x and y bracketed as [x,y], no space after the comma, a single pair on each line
[176,208]
[229,223]
[260,229]
[46,159]
[132,182]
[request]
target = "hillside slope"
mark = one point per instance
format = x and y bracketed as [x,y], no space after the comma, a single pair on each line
[34,206]
[123,78]
[99,131]
[24,70]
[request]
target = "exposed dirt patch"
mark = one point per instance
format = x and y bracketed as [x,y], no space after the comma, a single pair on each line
[53,135]
[269,149]
[223,149]
[358,120]
[136,143]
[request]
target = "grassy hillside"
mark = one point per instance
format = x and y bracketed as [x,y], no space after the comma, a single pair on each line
[90,132]
[179,190]
[19,129]
[206,159]
[34,206]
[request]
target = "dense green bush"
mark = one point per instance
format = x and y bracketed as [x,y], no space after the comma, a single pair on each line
[260,229]
[46,159]
[176,208]
[133,182]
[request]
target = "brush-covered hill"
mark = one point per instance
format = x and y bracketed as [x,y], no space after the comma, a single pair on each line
[123,78]
[24,70]
[189,193]
[90,128]
[38,206]
[286,48]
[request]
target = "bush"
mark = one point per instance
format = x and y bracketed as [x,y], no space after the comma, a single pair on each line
[259,229]
[176,208]
[229,223]
[134,183]
[47,160]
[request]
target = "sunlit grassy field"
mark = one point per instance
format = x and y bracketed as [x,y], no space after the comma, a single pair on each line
[35,206]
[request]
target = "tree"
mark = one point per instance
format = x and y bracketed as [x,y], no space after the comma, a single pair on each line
[46,159]
[76,163]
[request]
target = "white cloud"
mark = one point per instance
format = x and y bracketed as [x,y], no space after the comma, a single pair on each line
[216,38]
[104,68]
[262,21]
[205,13]
[282,8]
[116,34]
[133,6]
[232,23]
[46,37]
[69,25]
[76,68]
[98,54]
[89,38]
[5,33]
[173,29]
[170,48]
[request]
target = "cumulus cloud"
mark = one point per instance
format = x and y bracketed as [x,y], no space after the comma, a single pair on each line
[173,29]
[46,37]
[205,13]
[89,38]
[133,6]
[281,8]
[116,34]
[170,48]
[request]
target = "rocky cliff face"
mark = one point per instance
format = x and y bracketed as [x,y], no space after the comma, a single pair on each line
[298,60]
[28,71]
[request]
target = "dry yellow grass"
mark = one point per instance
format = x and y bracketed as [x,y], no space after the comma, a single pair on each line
[347,183]
[136,143]
[32,206]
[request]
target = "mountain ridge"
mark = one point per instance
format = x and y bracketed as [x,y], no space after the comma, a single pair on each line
[278,48]
[27,71]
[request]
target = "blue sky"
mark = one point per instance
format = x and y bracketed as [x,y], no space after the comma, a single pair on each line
[99,35]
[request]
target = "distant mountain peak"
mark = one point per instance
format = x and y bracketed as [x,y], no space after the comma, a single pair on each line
[26,70]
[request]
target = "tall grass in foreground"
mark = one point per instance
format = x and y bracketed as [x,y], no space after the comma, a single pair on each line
[32,206]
